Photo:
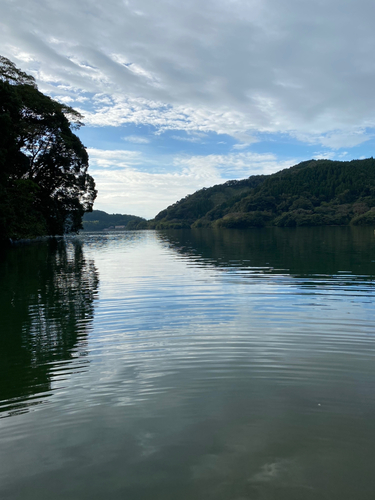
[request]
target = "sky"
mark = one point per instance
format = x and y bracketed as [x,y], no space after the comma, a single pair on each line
[184,94]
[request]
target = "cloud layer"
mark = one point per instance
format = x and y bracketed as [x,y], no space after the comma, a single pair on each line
[233,66]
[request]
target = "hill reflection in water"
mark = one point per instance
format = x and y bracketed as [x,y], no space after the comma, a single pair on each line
[298,252]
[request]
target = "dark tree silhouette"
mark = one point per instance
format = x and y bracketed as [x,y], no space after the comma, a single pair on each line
[44,184]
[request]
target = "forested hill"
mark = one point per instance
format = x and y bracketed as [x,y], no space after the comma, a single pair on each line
[312,193]
[97,220]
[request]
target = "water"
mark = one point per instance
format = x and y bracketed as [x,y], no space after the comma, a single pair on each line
[189,365]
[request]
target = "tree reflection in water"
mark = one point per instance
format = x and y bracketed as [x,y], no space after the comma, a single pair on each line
[46,308]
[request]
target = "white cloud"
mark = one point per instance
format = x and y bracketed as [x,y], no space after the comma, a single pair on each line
[118,110]
[337,139]
[233,165]
[113,159]
[186,139]
[136,139]
[243,145]
[192,136]
[234,67]
[340,139]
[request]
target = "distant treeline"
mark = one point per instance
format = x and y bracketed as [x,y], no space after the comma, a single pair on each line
[312,193]
[97,220]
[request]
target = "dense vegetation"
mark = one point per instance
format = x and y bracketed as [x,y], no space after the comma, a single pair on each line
[44,184]
[312,193]
[97,220]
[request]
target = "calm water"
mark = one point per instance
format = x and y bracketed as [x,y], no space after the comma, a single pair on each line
[189,366]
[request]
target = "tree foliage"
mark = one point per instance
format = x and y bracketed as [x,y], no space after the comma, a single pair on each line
[43,164]
[97,220]
[312,193]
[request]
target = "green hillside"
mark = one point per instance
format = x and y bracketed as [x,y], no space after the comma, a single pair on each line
[97,220]
[312,193]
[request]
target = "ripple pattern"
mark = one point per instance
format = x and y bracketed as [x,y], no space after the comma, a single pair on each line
[174,372]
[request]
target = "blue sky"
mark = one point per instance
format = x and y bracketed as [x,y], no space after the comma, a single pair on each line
[182,95]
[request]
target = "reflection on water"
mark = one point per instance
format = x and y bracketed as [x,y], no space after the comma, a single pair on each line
[219,366]
[46,307]
[295,251]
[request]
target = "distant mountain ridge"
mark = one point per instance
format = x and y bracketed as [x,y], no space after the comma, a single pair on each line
[97,220]
[312,193]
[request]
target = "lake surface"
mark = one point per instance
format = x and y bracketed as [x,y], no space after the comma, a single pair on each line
[189,365]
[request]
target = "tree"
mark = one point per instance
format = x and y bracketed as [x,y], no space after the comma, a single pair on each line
[38,149]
